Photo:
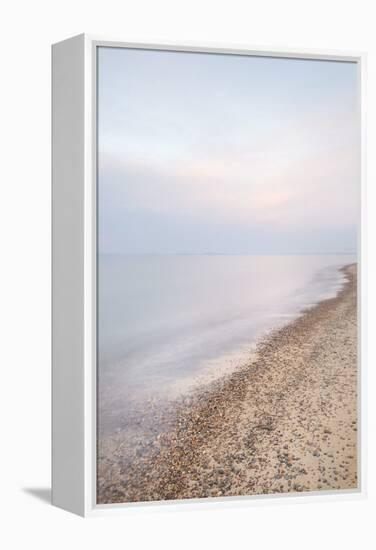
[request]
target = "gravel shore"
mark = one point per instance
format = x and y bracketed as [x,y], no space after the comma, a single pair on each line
[287,422]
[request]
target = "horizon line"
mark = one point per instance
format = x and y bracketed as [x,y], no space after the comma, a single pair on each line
[336,253]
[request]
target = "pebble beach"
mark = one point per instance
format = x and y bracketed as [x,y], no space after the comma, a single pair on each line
[284,423]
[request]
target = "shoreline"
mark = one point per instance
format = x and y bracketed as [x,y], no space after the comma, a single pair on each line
[286,422]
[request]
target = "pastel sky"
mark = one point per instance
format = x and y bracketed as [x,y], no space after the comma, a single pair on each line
[208,153]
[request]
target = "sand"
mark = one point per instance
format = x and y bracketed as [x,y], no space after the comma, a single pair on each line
[285,423]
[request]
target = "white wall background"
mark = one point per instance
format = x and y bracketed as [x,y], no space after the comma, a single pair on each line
[27,30]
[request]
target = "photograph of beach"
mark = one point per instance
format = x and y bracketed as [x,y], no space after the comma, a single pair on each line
[228,198]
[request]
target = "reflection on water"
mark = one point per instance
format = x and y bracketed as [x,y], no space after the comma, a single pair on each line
[167,323]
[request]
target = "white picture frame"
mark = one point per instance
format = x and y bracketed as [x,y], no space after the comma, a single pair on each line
[74,275]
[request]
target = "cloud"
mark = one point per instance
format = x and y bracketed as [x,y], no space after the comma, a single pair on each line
[191,147]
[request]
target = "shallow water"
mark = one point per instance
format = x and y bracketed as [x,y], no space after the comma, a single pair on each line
[168,323]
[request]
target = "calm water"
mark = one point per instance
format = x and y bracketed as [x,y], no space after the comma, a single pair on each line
[167,323]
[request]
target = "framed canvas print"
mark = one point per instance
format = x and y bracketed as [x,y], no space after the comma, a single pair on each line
[206,274]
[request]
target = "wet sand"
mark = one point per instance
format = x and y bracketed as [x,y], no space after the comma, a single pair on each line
[287,422]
